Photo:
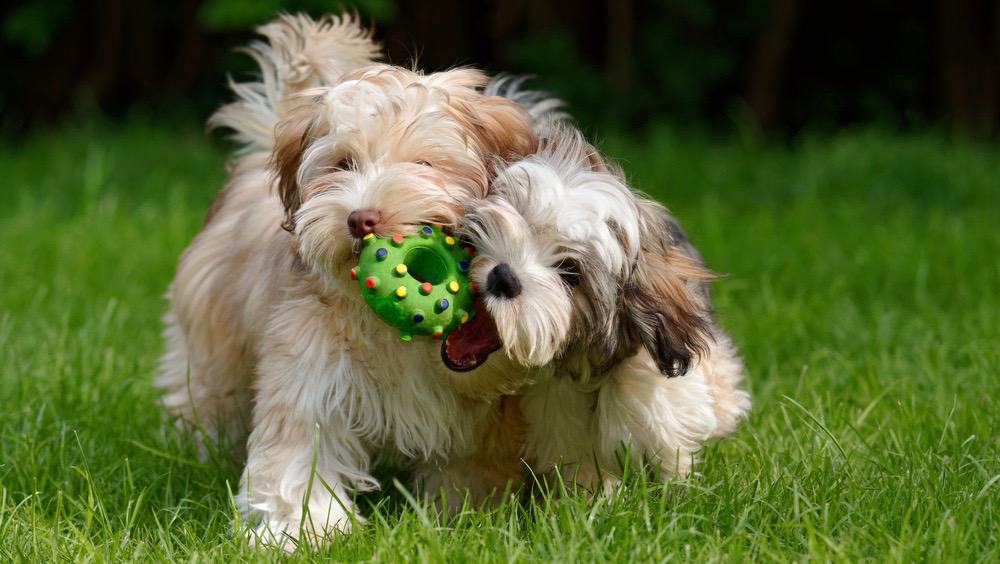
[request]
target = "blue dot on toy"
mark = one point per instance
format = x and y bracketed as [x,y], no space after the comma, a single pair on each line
[463,264]
[427,231]
[418,318]
[442,304]
[381,253]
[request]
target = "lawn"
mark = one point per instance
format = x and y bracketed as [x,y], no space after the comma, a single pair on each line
[862,284]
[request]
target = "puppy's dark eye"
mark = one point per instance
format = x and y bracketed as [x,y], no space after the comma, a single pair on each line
[346,163]
[423,163]
[569,271]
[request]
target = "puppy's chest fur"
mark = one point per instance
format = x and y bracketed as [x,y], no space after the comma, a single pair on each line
[394,394]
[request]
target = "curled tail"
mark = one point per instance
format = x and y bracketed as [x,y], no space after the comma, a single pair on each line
[296,52]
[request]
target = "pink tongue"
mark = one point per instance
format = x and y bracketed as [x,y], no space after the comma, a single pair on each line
[470,344]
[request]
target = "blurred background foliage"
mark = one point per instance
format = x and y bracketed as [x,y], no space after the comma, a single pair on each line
[776,67]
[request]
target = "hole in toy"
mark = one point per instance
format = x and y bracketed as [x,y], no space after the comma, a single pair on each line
[425,265]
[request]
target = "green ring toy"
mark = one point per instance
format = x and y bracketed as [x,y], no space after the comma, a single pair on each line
[419,283]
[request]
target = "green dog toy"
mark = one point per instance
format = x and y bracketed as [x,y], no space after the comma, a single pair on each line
[419,284]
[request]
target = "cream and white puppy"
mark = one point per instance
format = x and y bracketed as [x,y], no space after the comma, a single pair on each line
[599,291]
[267,332]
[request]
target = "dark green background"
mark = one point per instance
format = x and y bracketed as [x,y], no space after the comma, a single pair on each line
[778,66]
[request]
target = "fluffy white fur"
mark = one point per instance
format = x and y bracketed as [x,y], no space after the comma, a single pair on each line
[613,300]
[267,333]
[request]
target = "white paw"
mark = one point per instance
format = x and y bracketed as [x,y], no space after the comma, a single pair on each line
[288,532]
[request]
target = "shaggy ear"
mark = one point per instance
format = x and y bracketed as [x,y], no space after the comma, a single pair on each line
[665,306]
[504,128]
[302,125]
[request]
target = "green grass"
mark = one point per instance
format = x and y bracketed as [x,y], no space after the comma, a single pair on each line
[863,285]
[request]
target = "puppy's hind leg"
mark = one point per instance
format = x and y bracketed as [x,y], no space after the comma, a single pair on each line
[206,387]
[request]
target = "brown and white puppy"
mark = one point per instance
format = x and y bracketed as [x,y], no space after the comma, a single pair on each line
[600,293]
[264,318]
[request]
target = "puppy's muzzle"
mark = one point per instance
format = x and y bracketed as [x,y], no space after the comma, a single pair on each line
[502,283]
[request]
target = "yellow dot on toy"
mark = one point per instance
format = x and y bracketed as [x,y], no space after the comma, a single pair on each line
[465,318]
[400,269]
[369,236]
[453,287]
[401,292]
[449,240]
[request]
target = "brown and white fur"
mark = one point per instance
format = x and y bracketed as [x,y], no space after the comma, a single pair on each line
[598,290]
[266,331]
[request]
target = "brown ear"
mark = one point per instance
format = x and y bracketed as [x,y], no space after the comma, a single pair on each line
[293,135]
[503,128]
[666,307]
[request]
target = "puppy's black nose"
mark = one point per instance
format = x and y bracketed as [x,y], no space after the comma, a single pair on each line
[363,222]
[502,283]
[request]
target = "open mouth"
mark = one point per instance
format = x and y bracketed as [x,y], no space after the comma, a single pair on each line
[470,344]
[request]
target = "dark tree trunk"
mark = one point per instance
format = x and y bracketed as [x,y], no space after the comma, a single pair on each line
[767,70]
[619,45]
[969,55]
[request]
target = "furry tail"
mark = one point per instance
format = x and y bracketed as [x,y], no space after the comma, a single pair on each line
[297,52]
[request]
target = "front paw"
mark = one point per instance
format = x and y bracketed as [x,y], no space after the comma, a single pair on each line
[289,532]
